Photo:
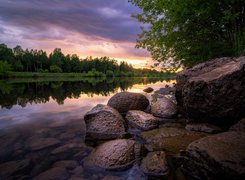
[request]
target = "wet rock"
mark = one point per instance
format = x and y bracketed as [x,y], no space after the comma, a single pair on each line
[203,127]
[155,164]
[141,120]
[170,140]
[213,91]
[78,170]
[135,173]
[13,168]
[165,91]
[164,108]
[220,156]
[148,90]
[54,173]
[41,143]
[114,155]
[104,122]
[109,177]
[240,126]
[68,164]
[125,101]
[77,178]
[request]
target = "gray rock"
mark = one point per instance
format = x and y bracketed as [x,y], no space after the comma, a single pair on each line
[164,108]
[203,127]
[104,122]
[155,164]
[13,168]
[125,101]
[67,150]
[141,120]
[213,91]
[148,90]
[166,91]
[114,155]
[54,173]
[218,156]
[68,164]
[240,126]
[41,143]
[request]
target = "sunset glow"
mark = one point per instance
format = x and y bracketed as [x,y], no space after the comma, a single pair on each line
[86,28]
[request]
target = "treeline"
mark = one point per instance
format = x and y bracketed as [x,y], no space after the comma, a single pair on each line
[31,60]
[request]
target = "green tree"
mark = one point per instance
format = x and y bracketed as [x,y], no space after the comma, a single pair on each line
[5,68]
[55,69]
[188,32]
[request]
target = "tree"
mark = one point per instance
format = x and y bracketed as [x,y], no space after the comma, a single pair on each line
[55,69]
[5,68]
[189,32]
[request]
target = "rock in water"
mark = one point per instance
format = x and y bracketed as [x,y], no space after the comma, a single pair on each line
[213,91]
[155,164]
[240,126]
[104,122]
[148,90]
[203,127]
[114,155]
[125,101]
[221,156]
[141,120]
[164,108]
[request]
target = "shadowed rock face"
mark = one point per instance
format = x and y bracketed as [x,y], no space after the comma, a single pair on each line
[220,156]
[213,91]
[125,101]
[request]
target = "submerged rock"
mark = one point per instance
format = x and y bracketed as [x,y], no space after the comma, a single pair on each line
[141,120]
[12,168]
[220,156]
[125,101]
[213,91]
[114,155]
[104,122]
[41,143]
[68,164]
[170,140]
[54,173]
[155,164]
[203,127]
[164,108]
[148,90]
[240,126]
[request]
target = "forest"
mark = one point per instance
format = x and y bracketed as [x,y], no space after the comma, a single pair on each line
[32,60]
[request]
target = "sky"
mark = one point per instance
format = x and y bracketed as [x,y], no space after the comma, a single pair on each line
[83,27]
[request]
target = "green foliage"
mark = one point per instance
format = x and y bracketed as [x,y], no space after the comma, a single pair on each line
[55,69]
[188,32]
[5,68]
[109,73]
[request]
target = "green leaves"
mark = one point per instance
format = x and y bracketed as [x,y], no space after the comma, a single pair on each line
[188,32]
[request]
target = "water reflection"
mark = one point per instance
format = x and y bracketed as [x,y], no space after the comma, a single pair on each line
[41,92]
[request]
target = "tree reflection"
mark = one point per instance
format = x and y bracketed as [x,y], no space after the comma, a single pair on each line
[40,92]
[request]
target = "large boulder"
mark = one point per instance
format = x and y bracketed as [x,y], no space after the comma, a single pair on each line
[114,155]
[221,156]
[125,101]
[104,122]
[141,120]
[164,108]
[213,91]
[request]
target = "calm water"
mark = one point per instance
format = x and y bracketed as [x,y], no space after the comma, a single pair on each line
[38,117]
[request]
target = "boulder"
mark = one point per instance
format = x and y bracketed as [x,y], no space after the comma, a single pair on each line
[203,127]
[164,108]
[171,140]
[219,156]
[141,120]
[125,101]
[148,90]
[213,91]
[240,126]
[155,164]
[54,173]
[114,155]
[104,122]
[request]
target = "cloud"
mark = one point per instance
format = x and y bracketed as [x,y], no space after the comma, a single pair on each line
[48,24]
